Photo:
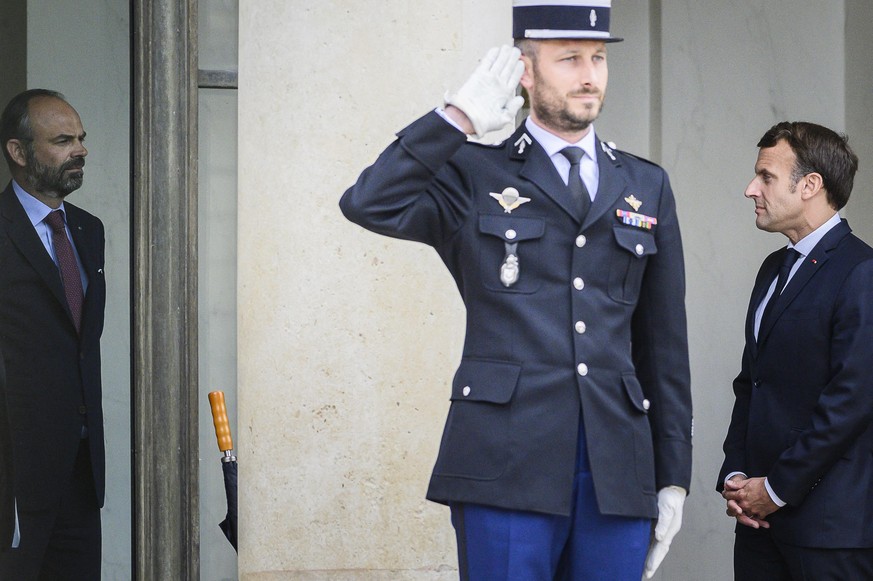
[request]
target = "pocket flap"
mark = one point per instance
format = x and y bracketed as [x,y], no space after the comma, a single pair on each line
[511,229]
[483,380]
[638,242]
[635,393]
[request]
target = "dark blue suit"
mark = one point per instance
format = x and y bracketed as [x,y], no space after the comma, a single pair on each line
[594,327]
[53,382]
[803,415]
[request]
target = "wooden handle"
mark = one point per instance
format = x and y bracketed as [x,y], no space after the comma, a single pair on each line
[219,420]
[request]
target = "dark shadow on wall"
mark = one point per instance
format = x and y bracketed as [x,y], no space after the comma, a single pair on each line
[13,65]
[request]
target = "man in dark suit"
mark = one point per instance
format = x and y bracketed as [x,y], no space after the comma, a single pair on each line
[52,296]
[798,469]
[570,422]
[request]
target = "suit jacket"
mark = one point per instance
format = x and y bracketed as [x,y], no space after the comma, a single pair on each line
[52,372]
[7,507]
[595,322]
[803,414]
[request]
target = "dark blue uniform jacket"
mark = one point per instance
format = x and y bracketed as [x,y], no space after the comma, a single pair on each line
[593,326]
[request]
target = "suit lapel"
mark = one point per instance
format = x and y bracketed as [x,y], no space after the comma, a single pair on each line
[539,169]
[612,185]
[24,237]
[88,246]
[766,274]
[811,265]
[82,240]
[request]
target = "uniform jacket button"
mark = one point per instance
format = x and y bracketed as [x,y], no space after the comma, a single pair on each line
[466,391]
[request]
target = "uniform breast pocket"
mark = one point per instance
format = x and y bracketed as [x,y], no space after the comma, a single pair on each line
[627,268]
[510,252]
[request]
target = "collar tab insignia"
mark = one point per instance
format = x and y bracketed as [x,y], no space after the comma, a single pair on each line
[607,148]
[522,142]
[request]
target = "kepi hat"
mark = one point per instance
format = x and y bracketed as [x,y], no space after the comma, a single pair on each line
[582,19]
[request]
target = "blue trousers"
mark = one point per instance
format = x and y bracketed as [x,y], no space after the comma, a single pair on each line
[496,544]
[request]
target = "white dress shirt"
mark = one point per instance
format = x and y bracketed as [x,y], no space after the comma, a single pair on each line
[552,144]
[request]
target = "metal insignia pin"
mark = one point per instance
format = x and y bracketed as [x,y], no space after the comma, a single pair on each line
[593,18]
[634,203]
[522,142]
[509,270]
[607,148]
[509,199]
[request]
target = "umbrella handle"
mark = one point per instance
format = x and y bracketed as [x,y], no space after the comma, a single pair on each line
[219,420]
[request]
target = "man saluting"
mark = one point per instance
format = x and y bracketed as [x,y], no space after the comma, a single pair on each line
[570,424]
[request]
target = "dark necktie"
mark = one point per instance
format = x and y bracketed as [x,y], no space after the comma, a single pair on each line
[575,183]
[67,263]
[788,260]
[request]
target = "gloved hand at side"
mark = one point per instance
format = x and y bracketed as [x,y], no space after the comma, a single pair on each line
[671,499]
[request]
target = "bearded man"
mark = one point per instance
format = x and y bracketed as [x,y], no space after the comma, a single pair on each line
[52,297]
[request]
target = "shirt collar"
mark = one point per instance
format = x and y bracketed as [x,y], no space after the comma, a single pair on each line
[808,242]
[36,211]
[553,144]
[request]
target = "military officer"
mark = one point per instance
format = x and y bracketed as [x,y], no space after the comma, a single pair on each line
[569,430]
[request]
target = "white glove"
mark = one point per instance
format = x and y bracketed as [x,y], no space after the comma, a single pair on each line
[488,97]
[671,499]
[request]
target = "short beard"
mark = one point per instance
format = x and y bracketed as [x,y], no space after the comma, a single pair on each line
[561,118]
[49,180]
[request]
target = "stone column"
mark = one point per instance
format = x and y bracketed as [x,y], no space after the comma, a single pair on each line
[165,405]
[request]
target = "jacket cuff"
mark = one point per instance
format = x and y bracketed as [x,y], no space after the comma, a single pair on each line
[673,464]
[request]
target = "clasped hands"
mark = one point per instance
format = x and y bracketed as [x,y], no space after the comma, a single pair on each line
[748,501]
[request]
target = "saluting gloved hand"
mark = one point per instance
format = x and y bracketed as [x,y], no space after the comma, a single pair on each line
[671,499]
[488,97]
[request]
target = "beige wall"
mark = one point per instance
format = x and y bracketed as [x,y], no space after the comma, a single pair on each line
[348,341]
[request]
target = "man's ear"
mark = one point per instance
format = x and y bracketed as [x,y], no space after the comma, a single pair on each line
[15,148]
[527,78]
[811,185]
